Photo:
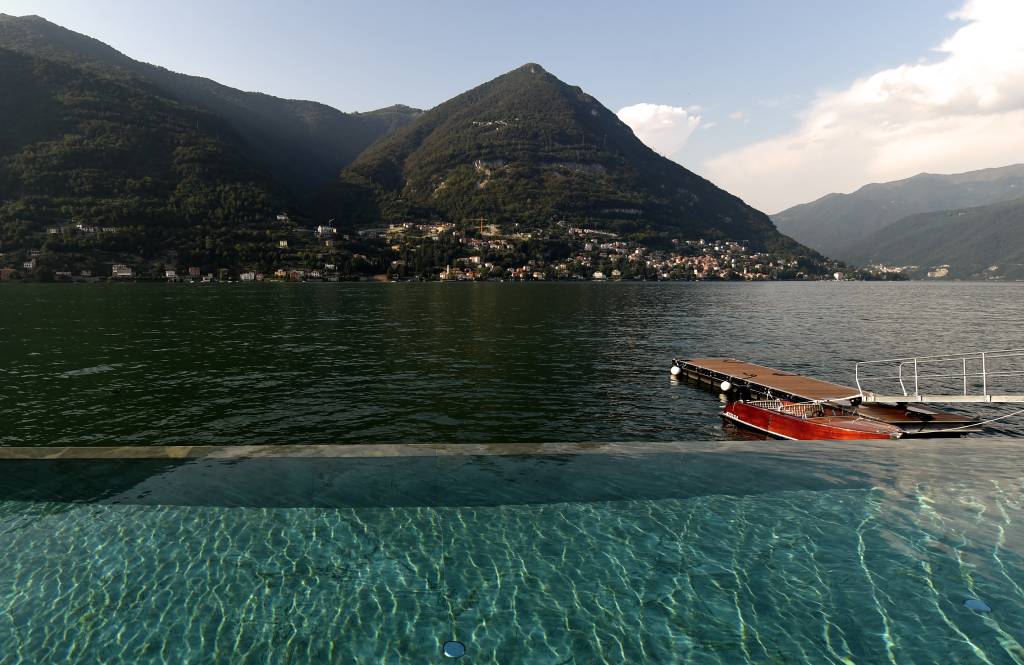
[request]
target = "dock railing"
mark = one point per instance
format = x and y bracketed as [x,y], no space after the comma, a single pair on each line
[983,376]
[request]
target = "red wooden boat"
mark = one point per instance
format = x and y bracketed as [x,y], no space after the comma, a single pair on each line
[808,421]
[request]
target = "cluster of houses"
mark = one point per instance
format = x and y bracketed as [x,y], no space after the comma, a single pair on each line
[79,227]
[602,256]
[487,254]
[483,251]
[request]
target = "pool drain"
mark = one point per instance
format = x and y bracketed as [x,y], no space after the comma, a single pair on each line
[454,649]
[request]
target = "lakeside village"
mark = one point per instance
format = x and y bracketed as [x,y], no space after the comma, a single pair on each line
[447,252]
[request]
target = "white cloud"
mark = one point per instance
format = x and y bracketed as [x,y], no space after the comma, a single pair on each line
[738,115]
[662,128]
[961,112]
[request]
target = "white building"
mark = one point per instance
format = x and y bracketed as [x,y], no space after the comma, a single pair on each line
[121,271]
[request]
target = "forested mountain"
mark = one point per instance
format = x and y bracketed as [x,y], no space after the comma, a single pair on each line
[527,148]
[981,242]
[301,143]
[175,168]
[107,160]
[837,223]
[76,145]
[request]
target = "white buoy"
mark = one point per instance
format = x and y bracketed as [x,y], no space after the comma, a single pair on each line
[726,386]
[676,370]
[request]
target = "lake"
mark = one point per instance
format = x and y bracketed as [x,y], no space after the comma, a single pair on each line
[139,364]
[508,466]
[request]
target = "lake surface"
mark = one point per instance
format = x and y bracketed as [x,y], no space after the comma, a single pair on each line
[472,489]
[140,364]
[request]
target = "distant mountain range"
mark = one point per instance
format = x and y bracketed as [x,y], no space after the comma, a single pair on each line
[984,242]
[842,225]
[182,169]
[186,169]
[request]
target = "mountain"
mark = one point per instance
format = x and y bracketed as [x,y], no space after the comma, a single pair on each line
[107,160]
[300,143]
[528,149]
[113,152]
[834,224]
[176,168]
[980,242]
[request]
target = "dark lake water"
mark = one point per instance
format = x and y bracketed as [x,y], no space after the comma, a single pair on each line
[371,363]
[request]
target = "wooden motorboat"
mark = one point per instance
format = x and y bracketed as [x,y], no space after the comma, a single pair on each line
[808,421]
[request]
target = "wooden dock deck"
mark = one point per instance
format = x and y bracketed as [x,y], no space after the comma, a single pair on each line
[759,382]
[760,379]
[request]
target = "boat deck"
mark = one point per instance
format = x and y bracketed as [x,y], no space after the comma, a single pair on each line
[762,382]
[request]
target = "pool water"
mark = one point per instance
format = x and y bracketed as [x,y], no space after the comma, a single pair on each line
[751,552]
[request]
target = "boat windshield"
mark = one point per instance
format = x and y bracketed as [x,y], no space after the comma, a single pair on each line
[798,409]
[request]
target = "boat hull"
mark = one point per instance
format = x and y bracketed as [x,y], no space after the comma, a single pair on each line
[824,428]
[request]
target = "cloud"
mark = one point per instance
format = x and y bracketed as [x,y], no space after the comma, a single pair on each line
[963,111]
[738,115]
[662,128]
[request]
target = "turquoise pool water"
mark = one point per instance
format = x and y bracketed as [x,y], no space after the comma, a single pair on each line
[753,552]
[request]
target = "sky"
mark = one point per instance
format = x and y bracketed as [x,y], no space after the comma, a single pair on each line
[778,102]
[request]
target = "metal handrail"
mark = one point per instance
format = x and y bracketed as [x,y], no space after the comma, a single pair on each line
[945,376]
[917,369]
[949,356]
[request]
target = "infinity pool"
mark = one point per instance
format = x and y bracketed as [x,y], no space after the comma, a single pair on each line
[752,552]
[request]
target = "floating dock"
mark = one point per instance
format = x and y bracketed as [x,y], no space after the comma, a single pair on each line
[759,382]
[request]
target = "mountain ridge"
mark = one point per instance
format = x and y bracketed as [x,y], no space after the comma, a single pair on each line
[835,222]
[110,152]
[106,159]
[980,242]
[303,143]
[527,146]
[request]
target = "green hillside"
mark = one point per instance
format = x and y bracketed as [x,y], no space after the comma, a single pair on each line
[301,143]
[836,223]
[976,243]
[526,148]
[106,160]
[112,152]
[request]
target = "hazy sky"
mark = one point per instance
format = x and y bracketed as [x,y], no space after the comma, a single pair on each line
[778,102]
